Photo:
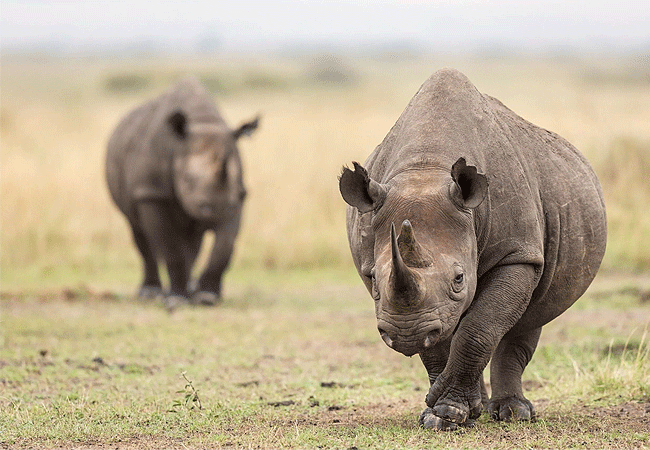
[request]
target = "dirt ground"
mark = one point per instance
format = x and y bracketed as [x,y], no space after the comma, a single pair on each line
[617,422]
[626,418]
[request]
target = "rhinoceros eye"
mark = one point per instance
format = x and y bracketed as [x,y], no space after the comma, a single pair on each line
[459,280]
[375,290]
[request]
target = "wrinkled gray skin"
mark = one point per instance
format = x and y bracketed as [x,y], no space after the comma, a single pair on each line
[173,169]
[501,228]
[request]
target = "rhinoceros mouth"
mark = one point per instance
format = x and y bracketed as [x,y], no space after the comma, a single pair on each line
[411,340]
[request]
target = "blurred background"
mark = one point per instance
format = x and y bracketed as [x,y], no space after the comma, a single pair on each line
[329,78]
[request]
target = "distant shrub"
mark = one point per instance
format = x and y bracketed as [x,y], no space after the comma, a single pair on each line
[127,83]
[265,81]
[331,70]
[229,83]
[216,84]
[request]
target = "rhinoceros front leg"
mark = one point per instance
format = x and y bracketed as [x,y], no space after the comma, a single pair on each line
[209,286]
[502,296]
[435,361]
[508,363]
[191,246]
[160,227]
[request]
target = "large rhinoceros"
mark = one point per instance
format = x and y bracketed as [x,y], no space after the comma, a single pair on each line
[502,228]
[173,169]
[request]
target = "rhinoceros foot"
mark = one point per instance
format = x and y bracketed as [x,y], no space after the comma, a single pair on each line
[147,292]
[173,302]
[205,298]
[450,403]
[511,409]
[430,421]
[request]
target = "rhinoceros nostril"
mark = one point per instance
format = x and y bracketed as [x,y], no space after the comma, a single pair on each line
[432,337]
[387,339]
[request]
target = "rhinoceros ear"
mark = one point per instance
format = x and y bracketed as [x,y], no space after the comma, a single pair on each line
[359,190]
[470,187]
[178,123]
[246,129]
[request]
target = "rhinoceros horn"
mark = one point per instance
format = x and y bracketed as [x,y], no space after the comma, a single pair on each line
[402,280]
[413,254]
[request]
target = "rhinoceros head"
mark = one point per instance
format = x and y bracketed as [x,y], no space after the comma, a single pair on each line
[207,169]
[424,278]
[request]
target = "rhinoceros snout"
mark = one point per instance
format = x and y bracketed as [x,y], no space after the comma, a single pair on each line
[433,336]
[407,343]
[386,337]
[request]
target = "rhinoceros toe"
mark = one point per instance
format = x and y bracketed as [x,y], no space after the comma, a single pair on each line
[173,302]
[205,298]
[511,409]
[430,421]
[147,292]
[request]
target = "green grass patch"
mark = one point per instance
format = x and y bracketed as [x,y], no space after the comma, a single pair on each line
[288,361]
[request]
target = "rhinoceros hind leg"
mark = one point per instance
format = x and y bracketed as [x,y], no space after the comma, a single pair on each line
[508,363]
[209,285]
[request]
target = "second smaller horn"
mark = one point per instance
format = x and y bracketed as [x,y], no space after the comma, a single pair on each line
[413,254]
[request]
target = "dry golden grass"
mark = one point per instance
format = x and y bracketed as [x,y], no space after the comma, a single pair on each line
[59,226]
[87,370]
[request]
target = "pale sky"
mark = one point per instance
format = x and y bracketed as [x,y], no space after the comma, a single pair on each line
[272,24]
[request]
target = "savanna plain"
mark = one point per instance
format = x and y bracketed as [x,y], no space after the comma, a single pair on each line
[291,358]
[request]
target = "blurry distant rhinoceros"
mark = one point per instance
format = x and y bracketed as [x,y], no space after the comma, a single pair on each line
[472,228]
[173,169]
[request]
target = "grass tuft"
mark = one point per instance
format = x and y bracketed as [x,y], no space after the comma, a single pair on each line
[629,371]
[623,169]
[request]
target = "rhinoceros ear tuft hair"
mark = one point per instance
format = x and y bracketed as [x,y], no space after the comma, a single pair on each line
[247,128]
[359,190]
[470,187]
[178,123]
